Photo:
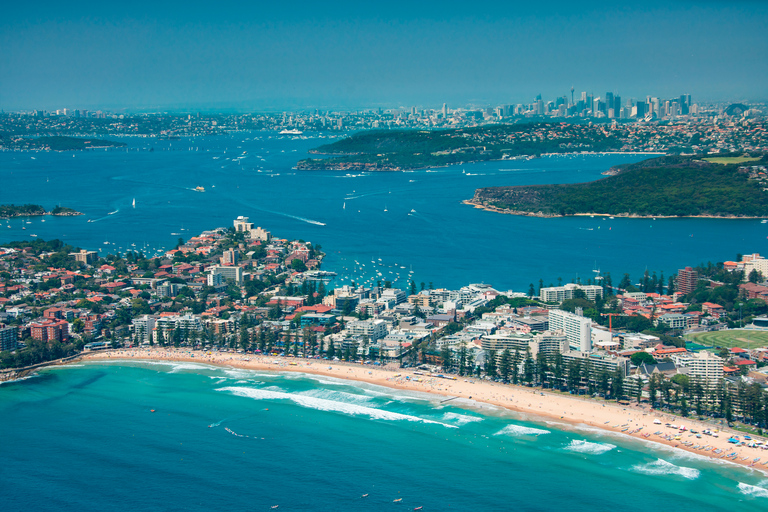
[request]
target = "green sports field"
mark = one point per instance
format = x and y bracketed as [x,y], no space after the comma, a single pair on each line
[725,160]
[733,338]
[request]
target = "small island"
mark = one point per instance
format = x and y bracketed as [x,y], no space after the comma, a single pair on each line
[672,186]
[8,211]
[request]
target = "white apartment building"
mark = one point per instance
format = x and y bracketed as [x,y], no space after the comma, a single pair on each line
[703,365]
[143,327]
[577,329]
[755,262]
[561,293]
[242,224]
[506,341]
[183,324]
[549,343]
[374,330]
[598,362]
[234,273]
[215,280]
[394,293]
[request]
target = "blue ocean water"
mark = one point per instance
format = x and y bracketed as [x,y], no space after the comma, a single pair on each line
[83,438]
[372,225]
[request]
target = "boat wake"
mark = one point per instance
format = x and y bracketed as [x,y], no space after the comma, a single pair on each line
[580,446]
[662,467]
[322,404]
[519,430]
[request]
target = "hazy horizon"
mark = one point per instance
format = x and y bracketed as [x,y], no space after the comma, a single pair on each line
[247,57]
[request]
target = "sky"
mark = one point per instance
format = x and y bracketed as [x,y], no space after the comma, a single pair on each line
[249,56]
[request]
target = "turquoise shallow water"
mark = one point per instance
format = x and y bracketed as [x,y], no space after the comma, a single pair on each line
[83,438]
[425,227]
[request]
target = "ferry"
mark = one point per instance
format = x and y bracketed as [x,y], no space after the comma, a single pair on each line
[291,132]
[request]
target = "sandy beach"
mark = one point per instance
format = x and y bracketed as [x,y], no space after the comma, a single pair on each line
[630,420]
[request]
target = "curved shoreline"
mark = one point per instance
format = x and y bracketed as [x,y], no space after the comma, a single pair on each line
[636,421]
[481,206]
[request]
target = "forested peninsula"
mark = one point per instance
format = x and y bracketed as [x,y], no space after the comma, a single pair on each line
[671,186]
[399,150]
[33,210]
[56,143]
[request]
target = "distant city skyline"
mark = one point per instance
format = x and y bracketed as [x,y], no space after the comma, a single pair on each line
[248,57]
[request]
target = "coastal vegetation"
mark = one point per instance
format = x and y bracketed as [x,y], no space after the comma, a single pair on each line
[62,143]
[392,150]
[24,210]
[54,143]
[666,186]
[33,210]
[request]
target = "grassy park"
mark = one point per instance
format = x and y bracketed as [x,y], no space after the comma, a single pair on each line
[732,338]
[726,160]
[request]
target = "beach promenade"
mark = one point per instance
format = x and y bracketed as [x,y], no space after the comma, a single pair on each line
[538,405]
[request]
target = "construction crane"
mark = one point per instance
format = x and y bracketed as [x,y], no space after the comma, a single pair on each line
[610,320]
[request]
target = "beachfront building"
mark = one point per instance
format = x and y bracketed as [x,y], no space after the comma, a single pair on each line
[374,330]
[143,327]
[577,329]
[506,341]
[598,363]
[560,293]
[703,366]
[8,337]
[177,327]
[549,343]
[50,330]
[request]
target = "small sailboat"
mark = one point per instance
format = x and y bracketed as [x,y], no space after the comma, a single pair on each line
[134,202]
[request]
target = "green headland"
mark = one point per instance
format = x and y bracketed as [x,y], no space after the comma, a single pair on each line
[672,186]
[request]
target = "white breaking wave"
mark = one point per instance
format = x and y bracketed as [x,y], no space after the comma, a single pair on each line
[174,365]
[322,404]
[461,419]
[189,366]
[581,446]
[519,430]
[336,396]
[662,467]
[753,490]
[239,374]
